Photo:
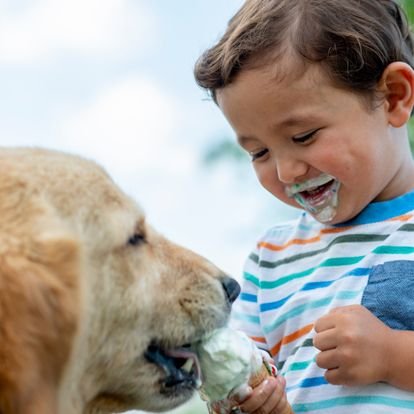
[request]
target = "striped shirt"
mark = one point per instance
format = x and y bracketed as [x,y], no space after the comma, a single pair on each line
[301,270]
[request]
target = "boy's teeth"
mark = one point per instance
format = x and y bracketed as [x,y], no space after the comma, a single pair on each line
[188,365]
[310,185]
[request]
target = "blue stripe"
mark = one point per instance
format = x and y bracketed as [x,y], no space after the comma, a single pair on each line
[247,297]
[316,285]
[383,210]
[274,305]
[360,271]
[267,306]
[308,383]
[343,295]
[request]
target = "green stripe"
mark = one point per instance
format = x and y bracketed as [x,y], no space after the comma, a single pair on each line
[246,318]
[335,261]
[299,366]
[265,284]
[349,238]
[353,400]
[393,250]
[251,278]
[295,312]
[341,261]
[308,342]
[344,295]
[254,257]
[407,227]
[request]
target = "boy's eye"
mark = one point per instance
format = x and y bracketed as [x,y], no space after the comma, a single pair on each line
[258,154]
[301,139]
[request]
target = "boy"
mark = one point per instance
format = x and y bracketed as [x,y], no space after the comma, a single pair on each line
[319,93]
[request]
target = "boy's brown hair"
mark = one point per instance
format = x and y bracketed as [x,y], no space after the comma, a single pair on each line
[354,40]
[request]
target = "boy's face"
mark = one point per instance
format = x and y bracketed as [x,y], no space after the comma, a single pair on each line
[307,131]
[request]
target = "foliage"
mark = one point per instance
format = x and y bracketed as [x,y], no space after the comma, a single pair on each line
[411,133]
[224,150]
[409,9]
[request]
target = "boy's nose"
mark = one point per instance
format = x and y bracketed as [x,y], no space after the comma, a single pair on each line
[291,170]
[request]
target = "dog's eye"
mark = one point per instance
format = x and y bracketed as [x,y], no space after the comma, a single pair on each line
[136,239]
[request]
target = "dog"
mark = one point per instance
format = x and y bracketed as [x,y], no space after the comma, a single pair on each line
[98,311]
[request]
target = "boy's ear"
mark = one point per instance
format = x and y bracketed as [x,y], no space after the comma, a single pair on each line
[397,84]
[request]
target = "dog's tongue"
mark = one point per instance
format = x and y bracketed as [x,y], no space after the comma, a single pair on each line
[192,363]
[180,365]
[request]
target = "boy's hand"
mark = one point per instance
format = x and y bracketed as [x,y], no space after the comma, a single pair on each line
[354,345]
[267,398]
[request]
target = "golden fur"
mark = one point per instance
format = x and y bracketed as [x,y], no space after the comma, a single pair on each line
[79,305]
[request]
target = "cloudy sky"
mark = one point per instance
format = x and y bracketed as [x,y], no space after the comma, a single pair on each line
[112,80]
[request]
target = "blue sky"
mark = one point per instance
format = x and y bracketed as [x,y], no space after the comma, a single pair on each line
[112,80]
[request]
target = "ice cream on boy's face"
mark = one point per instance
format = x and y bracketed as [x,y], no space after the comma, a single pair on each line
[318,196]
[228,358]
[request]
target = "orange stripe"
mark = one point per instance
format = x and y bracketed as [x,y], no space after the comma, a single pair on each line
[289,243]
[404,217]
[315,239]
[258,339]
[331,230]
[335,229]
[290,338]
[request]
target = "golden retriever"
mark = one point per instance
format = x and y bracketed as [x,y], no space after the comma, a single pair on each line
[98,311]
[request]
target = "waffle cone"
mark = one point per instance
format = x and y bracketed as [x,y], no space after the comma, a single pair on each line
[259,377]
[255,380]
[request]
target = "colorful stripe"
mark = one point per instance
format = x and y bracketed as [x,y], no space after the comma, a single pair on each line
[307,343]
[290,338]
[347,238]
[299,366]
[311,305]
[393,250]
[318,264]
[308,383]
[353,400]
[333,262]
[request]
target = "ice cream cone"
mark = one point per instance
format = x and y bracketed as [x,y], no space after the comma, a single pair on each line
[260,376]
[230,361]
[254,381]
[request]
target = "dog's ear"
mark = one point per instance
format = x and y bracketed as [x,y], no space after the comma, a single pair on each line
[39,307]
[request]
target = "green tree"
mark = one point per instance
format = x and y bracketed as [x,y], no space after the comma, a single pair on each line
[409,9]
[408,6]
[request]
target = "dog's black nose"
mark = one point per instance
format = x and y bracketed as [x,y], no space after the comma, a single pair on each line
[231,287]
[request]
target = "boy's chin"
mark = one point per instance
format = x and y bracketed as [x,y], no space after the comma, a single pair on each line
[339,217]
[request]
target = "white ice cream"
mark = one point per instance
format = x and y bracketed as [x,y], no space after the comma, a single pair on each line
[321,204]
[228,358]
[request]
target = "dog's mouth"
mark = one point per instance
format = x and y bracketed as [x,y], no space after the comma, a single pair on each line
[180,365]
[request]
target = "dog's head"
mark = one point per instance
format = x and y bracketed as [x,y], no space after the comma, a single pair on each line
[98,311]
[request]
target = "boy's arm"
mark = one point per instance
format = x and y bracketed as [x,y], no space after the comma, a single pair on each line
[359,349]
[401,361]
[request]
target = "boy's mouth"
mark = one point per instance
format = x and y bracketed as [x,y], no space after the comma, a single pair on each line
[318,196]
[315,195]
